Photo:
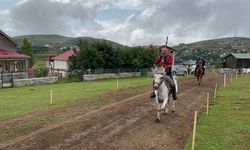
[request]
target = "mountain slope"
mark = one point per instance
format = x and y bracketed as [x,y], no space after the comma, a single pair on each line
[213,51]
[57,40]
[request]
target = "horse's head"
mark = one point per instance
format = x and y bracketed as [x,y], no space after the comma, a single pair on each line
[159,73]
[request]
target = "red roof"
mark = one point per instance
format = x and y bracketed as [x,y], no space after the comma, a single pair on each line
[65,56]
[8,54]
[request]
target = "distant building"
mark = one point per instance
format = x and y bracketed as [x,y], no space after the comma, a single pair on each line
[10,60]
[237,60]
[48,45]
[59,65]
[182,45]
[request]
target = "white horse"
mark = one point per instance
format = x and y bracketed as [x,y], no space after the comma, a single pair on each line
[162,91]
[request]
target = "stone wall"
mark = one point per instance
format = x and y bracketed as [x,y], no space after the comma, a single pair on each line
[34,81]
[110,75]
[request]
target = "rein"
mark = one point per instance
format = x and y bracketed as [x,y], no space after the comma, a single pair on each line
[159,83]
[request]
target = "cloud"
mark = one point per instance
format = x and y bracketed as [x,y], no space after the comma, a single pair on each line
[136,22]
[50,17]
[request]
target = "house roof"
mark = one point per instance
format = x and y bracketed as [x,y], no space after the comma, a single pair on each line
[7,37]
[240,55]
[64,56]
[8,54]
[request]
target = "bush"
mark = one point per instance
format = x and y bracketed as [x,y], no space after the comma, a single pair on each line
[41,72]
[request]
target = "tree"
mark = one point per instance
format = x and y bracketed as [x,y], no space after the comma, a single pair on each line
[89,57]
[27,50]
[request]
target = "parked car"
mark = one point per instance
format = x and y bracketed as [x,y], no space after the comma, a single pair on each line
[245,70]
[179,70]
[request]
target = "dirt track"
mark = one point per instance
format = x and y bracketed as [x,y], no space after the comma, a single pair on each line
[126,124]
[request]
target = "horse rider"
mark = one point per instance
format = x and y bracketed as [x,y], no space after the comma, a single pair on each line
[166,60]
[200,61]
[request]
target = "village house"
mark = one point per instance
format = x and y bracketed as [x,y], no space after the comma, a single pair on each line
[59,65]
[11,62]
[237,60]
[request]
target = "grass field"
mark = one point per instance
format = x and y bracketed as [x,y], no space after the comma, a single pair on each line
[19,101]
[227,127]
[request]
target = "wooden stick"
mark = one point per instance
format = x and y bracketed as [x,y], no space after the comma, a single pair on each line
[231,77]
[117,83]
[194,129]
[224,80]
[51,96]
[207,101]
[215,90]
[236,75]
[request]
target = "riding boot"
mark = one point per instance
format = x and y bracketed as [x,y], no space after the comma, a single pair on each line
[153,92]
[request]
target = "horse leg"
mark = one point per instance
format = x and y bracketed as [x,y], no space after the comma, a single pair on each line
[173,106]
[164,106]
[158,109]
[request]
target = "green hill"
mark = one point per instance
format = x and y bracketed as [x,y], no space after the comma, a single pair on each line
[56,41]
[213,51]
[45,46]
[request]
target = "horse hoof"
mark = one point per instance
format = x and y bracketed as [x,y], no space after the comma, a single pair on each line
[173,111]
[157,120]
[165,113]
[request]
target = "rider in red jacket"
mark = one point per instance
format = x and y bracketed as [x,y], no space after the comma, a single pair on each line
[166,60]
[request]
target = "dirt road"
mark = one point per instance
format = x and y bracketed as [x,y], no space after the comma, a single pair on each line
[125,124]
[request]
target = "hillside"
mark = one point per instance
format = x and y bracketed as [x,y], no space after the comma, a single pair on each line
[213,51]
[56,41]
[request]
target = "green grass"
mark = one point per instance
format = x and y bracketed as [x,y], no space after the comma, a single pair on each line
[19,101]
[227,127]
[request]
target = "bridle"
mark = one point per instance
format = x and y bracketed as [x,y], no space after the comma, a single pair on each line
[158,83]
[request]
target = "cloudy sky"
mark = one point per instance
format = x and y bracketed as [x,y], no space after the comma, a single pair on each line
[129,22]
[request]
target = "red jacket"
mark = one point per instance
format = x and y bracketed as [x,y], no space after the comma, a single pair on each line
[166,62]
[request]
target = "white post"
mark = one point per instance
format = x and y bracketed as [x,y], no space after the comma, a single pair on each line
[224,80]
[207,101]
[236,74]
[194,129]
[215,90]
[51,96]
[117,84]
[231,77]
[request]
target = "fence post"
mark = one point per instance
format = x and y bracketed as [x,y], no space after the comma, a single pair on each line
[207,101]
[194,129]
[2,78]
[224,80]
[12,79]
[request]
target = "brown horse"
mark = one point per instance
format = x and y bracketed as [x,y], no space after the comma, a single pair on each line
[199,71]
